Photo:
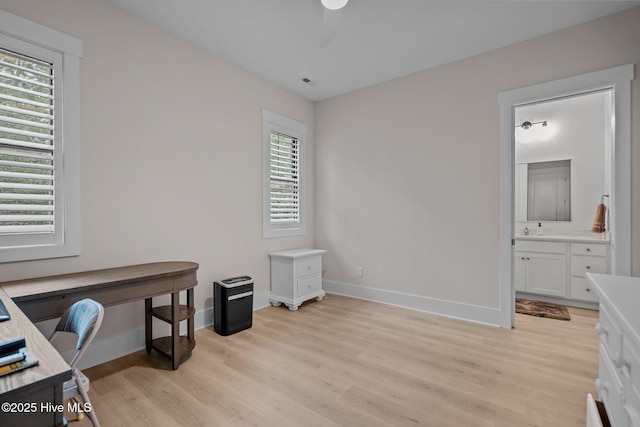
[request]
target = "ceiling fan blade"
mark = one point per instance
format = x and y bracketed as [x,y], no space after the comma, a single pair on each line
[330,24]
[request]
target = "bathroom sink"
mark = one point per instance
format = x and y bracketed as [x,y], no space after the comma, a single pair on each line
[564,235]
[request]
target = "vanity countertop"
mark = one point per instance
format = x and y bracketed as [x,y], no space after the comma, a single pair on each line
[584,236]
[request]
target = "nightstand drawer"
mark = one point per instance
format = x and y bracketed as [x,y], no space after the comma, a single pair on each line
[581,264]
[309,267]
[309,285]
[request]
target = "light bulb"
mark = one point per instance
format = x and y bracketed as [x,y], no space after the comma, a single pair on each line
[334,4]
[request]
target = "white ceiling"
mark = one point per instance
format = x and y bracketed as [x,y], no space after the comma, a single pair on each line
[376,40]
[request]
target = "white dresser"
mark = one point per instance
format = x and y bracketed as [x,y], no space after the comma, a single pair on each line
[296,276]
[618,382]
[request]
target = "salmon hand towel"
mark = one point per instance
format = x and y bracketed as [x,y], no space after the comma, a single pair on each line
[599,221]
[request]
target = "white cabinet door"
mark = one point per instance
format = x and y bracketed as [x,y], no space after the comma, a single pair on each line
[519,271]
[546,274]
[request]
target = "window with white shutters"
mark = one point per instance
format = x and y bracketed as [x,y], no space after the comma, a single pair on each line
[284,177]
[39,141]
[27,196]
[284,190]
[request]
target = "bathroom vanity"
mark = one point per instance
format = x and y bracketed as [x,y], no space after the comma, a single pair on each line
[552,266]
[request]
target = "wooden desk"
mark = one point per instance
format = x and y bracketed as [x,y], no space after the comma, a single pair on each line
[38,385]
[34,300]
[49,297]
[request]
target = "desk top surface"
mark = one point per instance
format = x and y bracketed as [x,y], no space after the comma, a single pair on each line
[59,284]
[51,368]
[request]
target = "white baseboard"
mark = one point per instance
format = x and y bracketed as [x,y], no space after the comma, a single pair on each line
[107,349]
[472,313]
[261,300]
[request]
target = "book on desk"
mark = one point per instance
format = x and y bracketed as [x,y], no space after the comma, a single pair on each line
[4,313]
[15,357]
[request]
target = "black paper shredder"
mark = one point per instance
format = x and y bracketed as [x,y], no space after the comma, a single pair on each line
[232,305]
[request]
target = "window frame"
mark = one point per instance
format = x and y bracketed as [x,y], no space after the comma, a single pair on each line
[272,122]
[31,39]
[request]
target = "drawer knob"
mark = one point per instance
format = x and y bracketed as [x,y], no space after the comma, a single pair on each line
[588,267]
[522,258]
[588,249]
[588,290]
[528,258]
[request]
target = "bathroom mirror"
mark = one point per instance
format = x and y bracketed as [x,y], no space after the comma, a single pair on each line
[543,191]
[549,191]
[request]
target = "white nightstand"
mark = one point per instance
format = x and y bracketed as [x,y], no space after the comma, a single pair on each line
[296,276]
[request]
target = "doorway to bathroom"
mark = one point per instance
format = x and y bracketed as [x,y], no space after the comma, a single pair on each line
[616,83]
[563,173]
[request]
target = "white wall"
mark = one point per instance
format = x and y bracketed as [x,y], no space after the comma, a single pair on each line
[575,131]
[407,170]
[171,156]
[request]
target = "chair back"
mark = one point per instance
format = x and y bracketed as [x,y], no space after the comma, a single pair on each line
[84,319]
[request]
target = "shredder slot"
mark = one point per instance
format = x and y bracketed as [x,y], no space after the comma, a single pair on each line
[236,281]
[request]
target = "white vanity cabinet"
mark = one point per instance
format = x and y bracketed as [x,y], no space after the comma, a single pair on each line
[554,266]
[618,382]
[587,258]
[541,268]
[296,276]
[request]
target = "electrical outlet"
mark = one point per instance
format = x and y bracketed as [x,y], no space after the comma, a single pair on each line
[359,272]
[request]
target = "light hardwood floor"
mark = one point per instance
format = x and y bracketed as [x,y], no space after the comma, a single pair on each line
[348,362]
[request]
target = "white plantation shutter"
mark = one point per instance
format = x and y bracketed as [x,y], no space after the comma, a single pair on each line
[284,179]
[27,196]
[283,212]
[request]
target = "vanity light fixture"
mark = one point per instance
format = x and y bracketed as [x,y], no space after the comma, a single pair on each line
[527,124]
[334,4]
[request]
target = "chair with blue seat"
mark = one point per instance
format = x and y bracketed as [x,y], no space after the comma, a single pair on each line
[83,318]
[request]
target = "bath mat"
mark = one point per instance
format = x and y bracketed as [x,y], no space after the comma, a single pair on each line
[542,309]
